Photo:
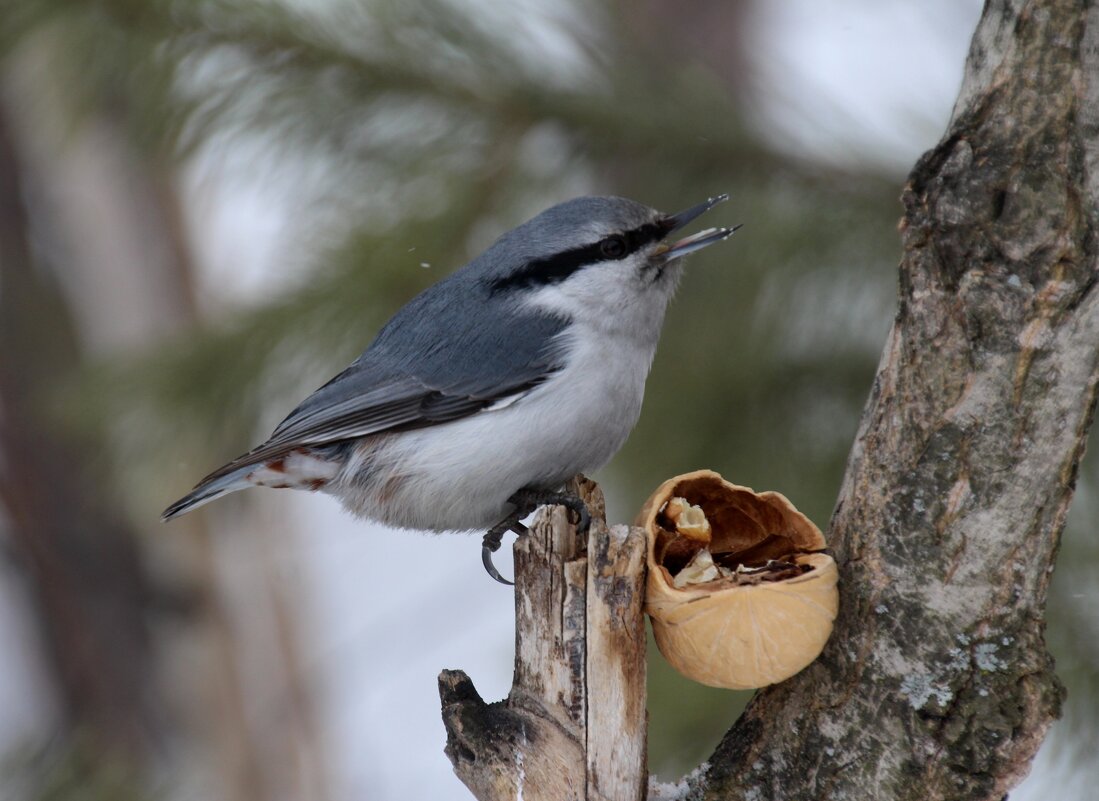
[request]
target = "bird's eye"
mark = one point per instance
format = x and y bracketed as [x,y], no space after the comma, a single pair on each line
[613,247]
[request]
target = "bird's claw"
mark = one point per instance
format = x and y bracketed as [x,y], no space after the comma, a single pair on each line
[489,545]
[525,502]
[486,560]
[583,522]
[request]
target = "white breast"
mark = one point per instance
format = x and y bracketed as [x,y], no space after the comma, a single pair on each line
[459,475]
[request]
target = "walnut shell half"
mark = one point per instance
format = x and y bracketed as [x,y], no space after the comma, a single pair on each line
[771,612]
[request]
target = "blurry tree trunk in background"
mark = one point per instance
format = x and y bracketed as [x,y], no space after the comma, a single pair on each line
[77,552]
[936,683]
[123,278]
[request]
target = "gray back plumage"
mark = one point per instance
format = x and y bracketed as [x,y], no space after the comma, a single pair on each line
[451,351]
[461,339]
[458,346]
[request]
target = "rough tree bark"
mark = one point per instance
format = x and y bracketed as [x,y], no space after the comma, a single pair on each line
[936,683]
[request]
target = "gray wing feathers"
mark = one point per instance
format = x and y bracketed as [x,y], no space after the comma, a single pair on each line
[358,397]
[445,355]
[449,352]
[404,403]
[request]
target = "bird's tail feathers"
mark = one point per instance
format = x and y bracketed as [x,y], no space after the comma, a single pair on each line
[210,489]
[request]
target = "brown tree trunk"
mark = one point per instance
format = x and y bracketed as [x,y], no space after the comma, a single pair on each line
[936,683]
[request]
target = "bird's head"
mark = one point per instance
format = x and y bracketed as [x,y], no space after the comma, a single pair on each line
[606,259]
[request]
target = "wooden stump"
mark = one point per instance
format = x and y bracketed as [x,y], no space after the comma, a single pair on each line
[573,725]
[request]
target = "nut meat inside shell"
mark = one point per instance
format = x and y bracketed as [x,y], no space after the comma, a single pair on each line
[769,612]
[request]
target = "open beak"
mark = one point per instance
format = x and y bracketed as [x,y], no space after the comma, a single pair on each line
[695,241]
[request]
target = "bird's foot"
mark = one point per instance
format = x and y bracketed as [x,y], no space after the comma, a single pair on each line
[526,501]
[491,544]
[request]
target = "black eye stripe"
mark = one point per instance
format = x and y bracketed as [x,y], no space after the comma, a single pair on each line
[558,267]
[645,234]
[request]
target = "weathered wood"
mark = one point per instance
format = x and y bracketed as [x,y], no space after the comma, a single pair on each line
[936,683]
[616,721]
[573,725]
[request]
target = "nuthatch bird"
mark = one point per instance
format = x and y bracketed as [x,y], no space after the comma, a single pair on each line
[483,395]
